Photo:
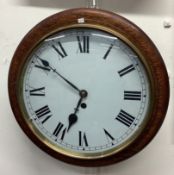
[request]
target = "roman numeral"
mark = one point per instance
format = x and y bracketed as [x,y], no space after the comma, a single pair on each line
[43,113]
[125,118]
[82,139]
[83,43]
[38,92]
[60,50]
[108,136]
[60,131]
[132,95]
[126,70]
[108,51]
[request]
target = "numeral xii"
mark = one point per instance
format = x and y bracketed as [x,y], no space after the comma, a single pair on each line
[83,43]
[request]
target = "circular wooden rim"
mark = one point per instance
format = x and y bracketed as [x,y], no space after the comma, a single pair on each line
[133,34]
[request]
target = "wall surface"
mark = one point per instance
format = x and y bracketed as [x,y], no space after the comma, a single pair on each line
[18,155]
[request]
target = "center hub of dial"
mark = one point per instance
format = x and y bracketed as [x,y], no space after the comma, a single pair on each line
[83,93]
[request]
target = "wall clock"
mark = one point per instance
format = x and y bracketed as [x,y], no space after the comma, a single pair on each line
[88,87]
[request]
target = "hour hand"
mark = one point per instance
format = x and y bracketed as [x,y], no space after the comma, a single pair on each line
[73,117]
[72,120]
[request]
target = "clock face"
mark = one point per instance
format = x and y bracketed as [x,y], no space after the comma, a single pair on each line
[85,92]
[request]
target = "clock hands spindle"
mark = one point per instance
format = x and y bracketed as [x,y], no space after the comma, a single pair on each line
[46,64]
[73,117]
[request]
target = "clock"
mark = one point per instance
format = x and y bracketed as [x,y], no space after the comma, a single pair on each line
[88,87]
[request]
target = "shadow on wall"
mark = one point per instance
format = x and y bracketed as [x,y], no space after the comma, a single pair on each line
[147,7]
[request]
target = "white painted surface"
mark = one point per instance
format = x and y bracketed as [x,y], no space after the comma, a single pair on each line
[17,154]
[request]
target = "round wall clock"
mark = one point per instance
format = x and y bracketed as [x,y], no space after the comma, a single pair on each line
[88,87]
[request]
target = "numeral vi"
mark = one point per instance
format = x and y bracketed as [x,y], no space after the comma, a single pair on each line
[82,139]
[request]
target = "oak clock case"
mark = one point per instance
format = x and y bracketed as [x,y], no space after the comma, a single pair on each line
[88,87]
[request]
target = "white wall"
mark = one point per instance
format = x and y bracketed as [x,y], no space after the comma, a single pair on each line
[17,154]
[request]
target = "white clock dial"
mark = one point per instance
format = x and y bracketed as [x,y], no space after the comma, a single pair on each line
[85,91]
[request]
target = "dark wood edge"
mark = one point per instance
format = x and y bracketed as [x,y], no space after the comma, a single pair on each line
[134,35]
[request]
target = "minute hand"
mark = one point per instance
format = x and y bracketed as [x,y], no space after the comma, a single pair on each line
[46,64]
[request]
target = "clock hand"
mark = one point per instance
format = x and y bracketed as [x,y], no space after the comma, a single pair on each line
[73,117]
[46,64]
